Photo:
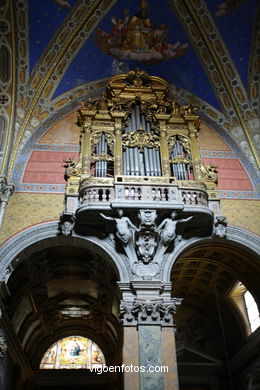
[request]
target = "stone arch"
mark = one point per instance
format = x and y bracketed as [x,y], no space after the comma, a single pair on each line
[203,272]
[48,234]
[241,238]
[40,295]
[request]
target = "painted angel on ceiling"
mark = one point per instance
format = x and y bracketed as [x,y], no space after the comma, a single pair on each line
[135,38]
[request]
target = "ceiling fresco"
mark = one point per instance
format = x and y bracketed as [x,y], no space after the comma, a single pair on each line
[180,67]
[143,34]
[66,49]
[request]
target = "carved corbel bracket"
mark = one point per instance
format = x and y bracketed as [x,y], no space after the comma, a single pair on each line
[67,223]
[220,227]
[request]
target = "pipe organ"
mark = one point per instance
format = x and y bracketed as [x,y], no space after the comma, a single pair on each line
[102,155]
[137,133]
[140,161]
[180,157]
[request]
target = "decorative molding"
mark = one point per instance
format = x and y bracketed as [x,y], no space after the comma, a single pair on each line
[232,194]
[218,154]
[58,148]
[41,187]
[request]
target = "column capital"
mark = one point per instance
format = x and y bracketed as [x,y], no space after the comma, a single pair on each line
[6,189]
[149,312]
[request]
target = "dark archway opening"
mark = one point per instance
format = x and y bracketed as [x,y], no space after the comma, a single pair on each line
[211,337]
[59,292]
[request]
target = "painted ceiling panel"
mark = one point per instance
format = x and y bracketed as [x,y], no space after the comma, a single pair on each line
[45,17]
[170,54]
[235,20]
[163,48]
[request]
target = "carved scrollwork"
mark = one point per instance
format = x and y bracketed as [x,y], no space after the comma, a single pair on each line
[73,168]
[207,173]
[171,143]
[184,141]
[103,157]
[140,139]
[179,159]
[96,137]
[146,243]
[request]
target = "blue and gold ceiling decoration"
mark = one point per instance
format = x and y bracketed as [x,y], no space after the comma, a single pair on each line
[60,52]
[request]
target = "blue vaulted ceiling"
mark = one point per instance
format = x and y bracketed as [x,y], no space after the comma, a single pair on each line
[235,23]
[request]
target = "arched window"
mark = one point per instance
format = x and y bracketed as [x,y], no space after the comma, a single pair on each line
[247,306]
[73,352]
[252,311]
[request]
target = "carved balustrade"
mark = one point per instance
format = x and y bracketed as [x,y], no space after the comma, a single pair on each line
[143,189]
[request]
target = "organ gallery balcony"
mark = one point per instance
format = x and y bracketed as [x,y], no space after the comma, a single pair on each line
[162,192]
[138,149]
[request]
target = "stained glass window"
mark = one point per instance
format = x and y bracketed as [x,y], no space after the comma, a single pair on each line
[73,352]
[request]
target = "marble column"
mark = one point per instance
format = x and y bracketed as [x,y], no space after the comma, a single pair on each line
[149,341]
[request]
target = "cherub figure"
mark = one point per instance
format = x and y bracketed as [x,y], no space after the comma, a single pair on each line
[125,227]
[167,228]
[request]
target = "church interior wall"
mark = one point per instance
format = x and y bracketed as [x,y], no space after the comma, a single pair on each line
[143,298]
